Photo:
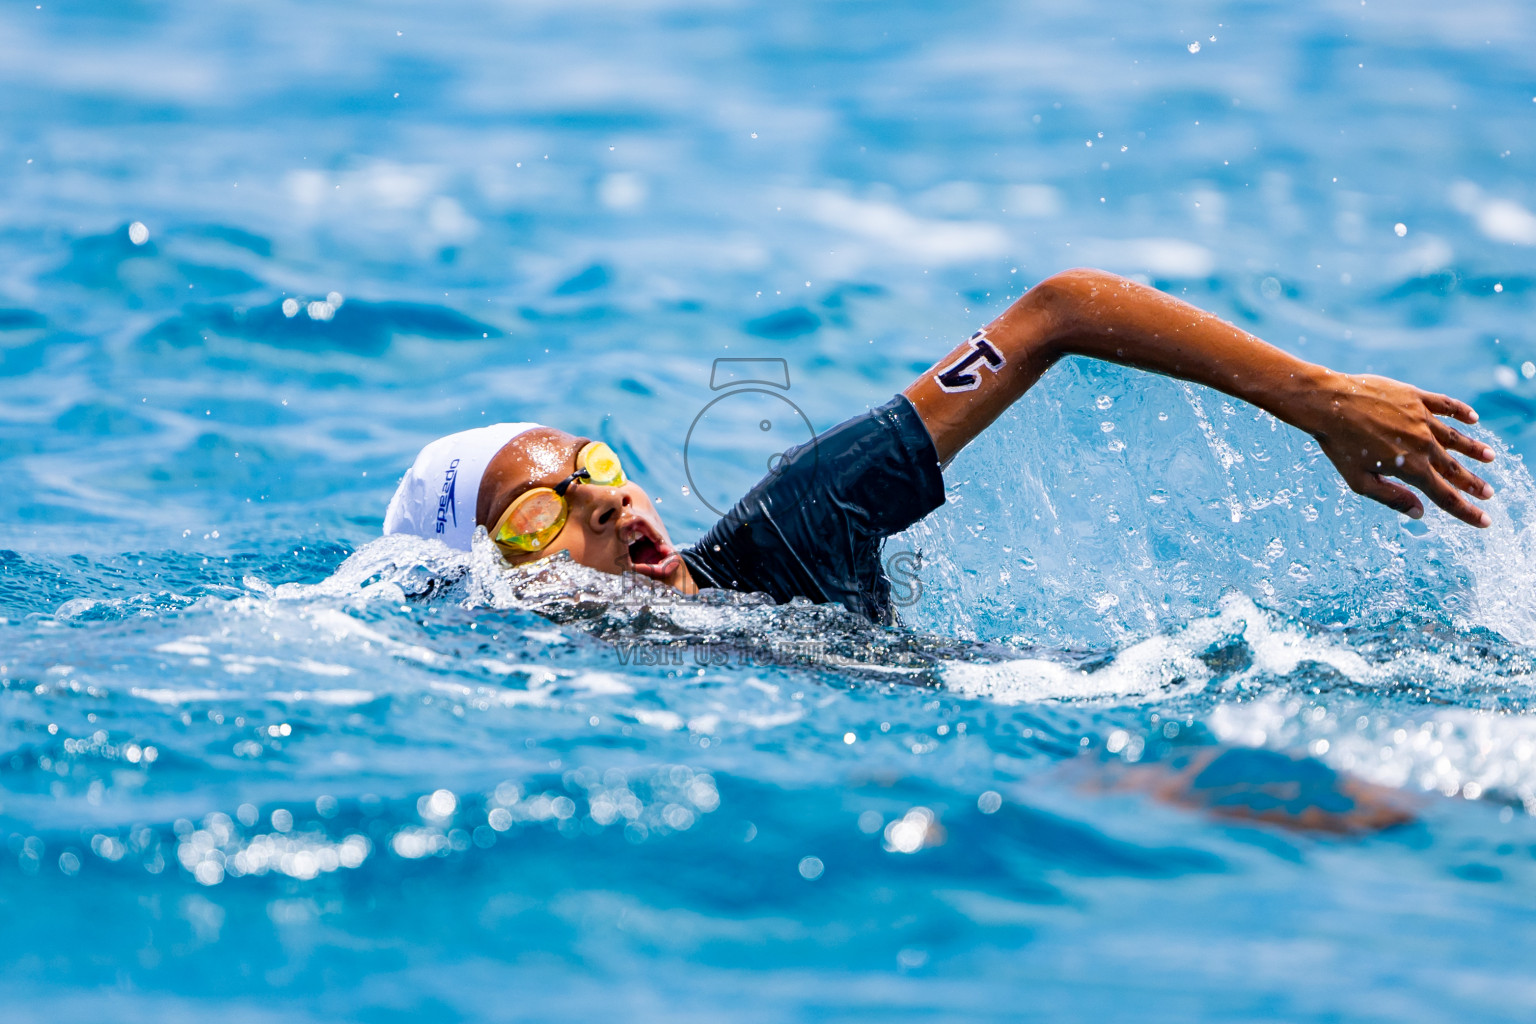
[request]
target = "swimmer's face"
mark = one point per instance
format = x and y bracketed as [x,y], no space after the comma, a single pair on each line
[612,529]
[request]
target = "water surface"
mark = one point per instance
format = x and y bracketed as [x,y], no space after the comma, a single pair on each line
[257,763]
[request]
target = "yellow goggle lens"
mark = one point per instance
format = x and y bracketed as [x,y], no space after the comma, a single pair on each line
[532,521]
[602,465]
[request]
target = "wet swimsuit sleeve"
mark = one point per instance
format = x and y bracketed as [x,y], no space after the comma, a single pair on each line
[812,527]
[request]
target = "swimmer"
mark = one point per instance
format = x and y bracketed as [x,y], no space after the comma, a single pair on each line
[813,527]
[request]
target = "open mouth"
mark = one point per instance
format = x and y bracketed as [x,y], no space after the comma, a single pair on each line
[649,555]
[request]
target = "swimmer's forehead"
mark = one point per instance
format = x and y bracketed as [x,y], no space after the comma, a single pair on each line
[537,453]
[540,455]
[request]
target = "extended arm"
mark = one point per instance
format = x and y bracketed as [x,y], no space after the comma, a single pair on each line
[1370,427]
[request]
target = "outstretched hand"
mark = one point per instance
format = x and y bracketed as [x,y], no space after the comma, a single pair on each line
[1373,428]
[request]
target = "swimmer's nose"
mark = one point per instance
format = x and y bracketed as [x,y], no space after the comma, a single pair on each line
[607,507]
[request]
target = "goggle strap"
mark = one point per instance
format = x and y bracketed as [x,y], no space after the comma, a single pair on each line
[565,485]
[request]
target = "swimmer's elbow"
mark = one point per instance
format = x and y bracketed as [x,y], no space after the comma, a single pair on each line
[1069,300]
[1078,286]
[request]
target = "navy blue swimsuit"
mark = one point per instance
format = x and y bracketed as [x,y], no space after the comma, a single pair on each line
[812,527]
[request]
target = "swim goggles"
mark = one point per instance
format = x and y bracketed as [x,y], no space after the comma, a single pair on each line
[538,515]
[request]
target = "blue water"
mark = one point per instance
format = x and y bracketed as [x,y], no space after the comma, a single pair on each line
[257,764]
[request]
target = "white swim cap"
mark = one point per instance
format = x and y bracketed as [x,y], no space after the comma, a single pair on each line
[437,495]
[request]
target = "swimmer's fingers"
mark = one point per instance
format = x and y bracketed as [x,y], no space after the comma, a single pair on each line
[1445,405]
[1456,441]
[1394,496]
[1460,476]
[1442,493]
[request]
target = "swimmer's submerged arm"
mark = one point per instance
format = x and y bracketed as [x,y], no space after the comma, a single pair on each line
[1370,427]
